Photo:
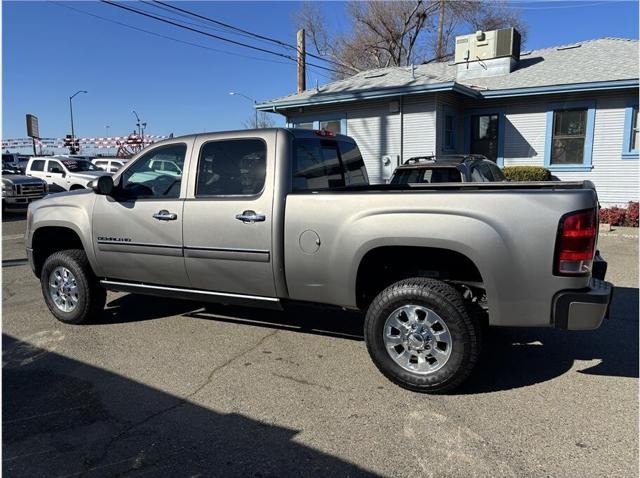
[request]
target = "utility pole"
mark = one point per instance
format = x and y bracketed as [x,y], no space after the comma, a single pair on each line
[302,73]
[439,45]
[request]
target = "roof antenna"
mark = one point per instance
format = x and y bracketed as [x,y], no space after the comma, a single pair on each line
[317,87]
[413,71]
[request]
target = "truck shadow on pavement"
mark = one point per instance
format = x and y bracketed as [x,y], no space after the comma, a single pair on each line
[63,417]
[511,357]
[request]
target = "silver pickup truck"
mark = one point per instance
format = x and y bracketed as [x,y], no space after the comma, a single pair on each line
[264,217]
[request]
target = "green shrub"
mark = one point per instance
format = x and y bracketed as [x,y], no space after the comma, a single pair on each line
[526,173]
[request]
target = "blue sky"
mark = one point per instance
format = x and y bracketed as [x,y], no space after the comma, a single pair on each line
[49,52]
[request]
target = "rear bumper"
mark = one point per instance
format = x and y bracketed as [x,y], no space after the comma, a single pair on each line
[583,309]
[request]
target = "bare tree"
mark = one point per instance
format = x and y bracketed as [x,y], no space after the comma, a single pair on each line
[399,33]
[261,120]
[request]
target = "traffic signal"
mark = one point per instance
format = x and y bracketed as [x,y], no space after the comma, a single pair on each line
[74,146]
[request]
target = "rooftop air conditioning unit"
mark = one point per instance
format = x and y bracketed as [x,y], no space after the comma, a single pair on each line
[488,45]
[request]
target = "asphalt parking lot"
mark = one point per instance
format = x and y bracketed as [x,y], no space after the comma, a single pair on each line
[170,388]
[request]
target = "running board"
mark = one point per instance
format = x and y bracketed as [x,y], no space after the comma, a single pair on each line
[193,294]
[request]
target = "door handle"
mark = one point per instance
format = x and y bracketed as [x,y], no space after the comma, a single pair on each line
[48,175]
[164,215]
[249,217]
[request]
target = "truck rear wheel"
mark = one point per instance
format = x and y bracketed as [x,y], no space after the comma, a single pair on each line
[421,336]
[71,291]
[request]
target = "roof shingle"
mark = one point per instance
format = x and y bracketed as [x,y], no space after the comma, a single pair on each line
[604,59]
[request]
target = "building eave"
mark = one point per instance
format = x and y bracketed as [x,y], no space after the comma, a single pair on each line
[566,88]
[376,93]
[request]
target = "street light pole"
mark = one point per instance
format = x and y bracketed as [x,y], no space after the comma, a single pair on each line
[141,126]
[235,93]
[73,134]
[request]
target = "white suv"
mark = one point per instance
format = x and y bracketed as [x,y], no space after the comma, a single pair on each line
[62,173]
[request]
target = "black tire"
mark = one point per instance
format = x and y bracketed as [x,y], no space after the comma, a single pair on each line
[445,301]
[91,296]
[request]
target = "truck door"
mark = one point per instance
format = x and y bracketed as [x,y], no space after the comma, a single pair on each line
[55,176]
[228,216]
[137,233]
[37,169]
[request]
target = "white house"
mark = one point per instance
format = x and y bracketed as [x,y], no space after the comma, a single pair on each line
[572,109]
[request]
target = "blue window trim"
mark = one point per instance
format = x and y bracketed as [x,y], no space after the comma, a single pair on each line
[316,119]
[501,121]
[586,164]
[449,111]
[627,152]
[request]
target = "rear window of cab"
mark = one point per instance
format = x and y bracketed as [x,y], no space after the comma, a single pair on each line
[326,164]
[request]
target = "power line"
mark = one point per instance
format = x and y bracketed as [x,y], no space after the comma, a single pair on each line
[166,36]
[575,5]
[246,32]
[197,23]
[217,37]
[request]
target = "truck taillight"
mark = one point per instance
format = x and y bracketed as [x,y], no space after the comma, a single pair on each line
[576,243]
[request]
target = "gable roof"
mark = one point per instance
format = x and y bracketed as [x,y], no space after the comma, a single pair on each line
[594,64]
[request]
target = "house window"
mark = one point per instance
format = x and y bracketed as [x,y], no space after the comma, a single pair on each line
[569,139]
[631,141]
[449,130]
[331,125]
[335,123]
[569,134]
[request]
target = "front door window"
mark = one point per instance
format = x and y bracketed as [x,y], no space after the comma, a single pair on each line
[484,135]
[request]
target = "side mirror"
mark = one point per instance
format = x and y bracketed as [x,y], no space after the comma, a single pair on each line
[103,185]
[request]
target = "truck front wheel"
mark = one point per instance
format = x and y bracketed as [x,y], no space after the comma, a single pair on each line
[71,291]
[421,336]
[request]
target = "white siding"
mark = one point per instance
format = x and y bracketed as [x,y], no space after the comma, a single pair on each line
[378,133]
[616,179]
[419,126]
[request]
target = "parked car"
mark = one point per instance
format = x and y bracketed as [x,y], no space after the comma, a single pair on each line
[111,165]
[64,173]
[15,161]
[19,190]
[447,169]
[266,217]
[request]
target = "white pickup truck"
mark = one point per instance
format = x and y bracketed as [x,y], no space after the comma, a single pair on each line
[62,173]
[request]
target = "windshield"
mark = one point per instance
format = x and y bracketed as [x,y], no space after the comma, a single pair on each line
[427,175]
[75,165]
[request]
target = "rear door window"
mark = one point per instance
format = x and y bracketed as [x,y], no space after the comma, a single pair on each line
[316,165]
[235,167]
[37,165]
[481,173]
[355,172]
[496,172]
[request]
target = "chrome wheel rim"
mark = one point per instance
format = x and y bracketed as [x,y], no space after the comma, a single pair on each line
[417,339]
[63,289]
